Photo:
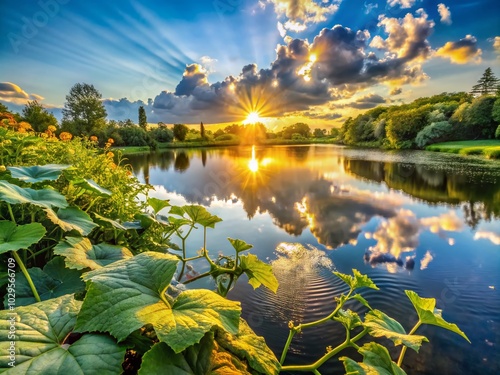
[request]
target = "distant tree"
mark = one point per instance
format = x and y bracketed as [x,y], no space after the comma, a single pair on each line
[202,130]
[334,132]
[180,132]
[3,108]
[143,120]
[218,133]
[233,129]
[319,133]
[181,162]
[299,128]
[37,116]
[435,132]
[487,84]
[479,117]
[83,110]
[162,134]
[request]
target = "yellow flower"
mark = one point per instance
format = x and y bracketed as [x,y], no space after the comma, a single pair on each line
[2,168]
[110,154]
[51,128]
[65,136]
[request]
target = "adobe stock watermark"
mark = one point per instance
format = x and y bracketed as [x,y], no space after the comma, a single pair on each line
[12,316]
[30,26]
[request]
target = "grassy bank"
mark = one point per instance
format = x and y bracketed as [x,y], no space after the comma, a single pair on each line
[487,148]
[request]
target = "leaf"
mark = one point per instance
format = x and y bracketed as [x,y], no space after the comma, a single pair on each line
[360,299]
[428,314]
[357,281]
[104,221]
[14,237]
[158,204]
[40,332]
[53,281]
[145,220]
[381,325]
[46,198]
[258,272]
[38,173]
[163,360]
[92,186]
[201,216]
[376,361]
[79,253]
[72,218]
[348,318]
[239,245]
[129,294]
[176,210]
[250,348]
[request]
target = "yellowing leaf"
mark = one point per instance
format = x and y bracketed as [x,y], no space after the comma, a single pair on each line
[258,272]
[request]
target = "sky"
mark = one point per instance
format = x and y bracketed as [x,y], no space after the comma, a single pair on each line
[217,61]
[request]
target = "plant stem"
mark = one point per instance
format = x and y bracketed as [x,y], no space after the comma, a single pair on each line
[403,350]
[11,213]
[287,345]
[197,278]
[27,275]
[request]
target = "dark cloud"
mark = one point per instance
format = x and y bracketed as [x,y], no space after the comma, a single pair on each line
[368,101]
[194,76]
[461,52]
[396,91]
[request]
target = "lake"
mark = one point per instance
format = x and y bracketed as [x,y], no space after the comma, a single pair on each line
[428,222]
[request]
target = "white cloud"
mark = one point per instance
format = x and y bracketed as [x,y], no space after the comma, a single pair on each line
[496,45]
[493,237]
[445,14]
[12,93]
[404,4]
[424,262]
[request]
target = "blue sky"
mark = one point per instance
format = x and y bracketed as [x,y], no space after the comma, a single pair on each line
[315,60]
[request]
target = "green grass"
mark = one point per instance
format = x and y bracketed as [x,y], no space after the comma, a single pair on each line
[488,148]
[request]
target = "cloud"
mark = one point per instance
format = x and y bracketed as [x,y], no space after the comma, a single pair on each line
[396,91]
[424,262]
[193,76]
[368,101]
[493,237]
[445,14]
[299,14]
[462,52]
[10,92]
[370,7]
[448,222]
[496,45]
[208,63]
[403,4]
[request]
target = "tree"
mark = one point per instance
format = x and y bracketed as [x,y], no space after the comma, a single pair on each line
[487,84]
[319,133]
[143,120]
[180,132]
[38,117]
[479,117]
[83,111]
[3,108]
[202,130]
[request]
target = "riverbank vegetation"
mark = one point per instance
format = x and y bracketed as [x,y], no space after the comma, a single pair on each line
[94,276]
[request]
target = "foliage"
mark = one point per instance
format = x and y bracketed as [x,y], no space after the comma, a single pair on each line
[298,128]
[37,116]
[497,132]
[319,133]
[376,358]
[487,84]
[202,131]
[162,134]
[404,125]
[495,112]
[435,132]
[226,137]
[143,120]
[180,131]
[136,136]
[83,112]
[478,117]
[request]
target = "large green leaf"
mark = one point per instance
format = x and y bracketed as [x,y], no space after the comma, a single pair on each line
[258,272]
[376,361]
[239,245]
[382,325]
[357,281]
[79,253]
[250,348]
[14,237]
[130,293]
[72,218]
[158,204]
[38,173]
[206,358]
[92,186]
[14,194]
[39,343]
[201,216]
[106,222]
[53,281]
[428,314]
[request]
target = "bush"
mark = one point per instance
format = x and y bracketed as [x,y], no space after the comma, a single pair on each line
[497,132]
[434,133]
[297,136]
[227,137]
[136,136]
[162,134]
[493,153]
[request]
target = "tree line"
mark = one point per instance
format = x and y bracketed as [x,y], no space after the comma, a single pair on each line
[439,118]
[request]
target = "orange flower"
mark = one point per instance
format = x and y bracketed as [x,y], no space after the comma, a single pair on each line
[93,138]
[110,140]
[110,154]
[51,128]
[25,125]
[65,136]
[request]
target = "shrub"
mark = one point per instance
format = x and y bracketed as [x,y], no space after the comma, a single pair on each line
[162,134]
[435,132]
[497,132]
[226,137]
[297,136]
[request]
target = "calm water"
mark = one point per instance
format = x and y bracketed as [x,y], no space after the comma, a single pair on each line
[410,220]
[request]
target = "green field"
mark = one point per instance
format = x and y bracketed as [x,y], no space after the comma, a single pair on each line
[487,148]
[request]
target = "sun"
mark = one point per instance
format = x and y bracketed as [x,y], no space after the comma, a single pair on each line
[252,118]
